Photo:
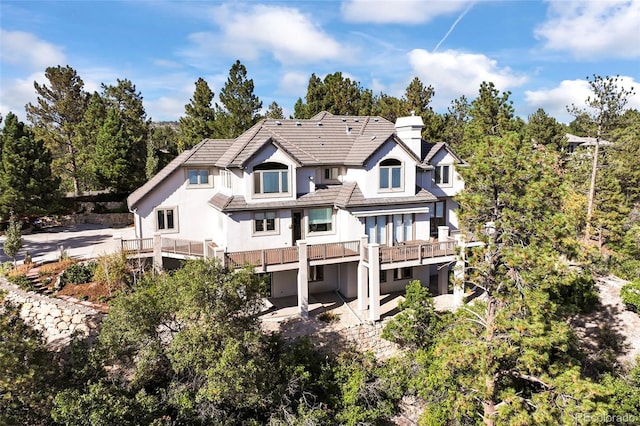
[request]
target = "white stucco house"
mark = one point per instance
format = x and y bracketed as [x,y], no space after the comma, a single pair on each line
[358,205]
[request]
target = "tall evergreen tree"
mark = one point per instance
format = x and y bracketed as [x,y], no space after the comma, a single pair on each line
[121,147]
[26,183]
[544,129]
[199,120]
[624,154]
[162,147]
[417,98]
[87,133]
[603,111]
[275,111]
[240,106]
[55,116]
[455,122]
[509,358]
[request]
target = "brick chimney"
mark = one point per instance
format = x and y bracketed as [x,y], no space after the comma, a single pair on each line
[409,129]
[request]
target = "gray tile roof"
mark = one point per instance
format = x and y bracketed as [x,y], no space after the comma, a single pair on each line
[344,196]
[430,149]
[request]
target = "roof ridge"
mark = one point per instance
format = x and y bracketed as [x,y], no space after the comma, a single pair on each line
[364,125]
[256,128]
[278,136]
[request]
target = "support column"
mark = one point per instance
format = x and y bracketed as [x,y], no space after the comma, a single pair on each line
[157,251]
[458,276]
[117,242]
[362,276]
[443,279]
[218,255]
[374,282]
[303,280]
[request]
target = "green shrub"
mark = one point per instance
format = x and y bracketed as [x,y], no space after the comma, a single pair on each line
[78,273]
[5,268]
[630,294]
[21,281]
[113,271]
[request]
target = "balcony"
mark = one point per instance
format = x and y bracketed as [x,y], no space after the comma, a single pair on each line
[283,258]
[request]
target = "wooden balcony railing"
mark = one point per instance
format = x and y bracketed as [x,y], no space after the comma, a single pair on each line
[183,247]
[333,250]
[140,245]
[419,251]
[262,258]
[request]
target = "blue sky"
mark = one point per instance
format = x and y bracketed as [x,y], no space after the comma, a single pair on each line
[540,51]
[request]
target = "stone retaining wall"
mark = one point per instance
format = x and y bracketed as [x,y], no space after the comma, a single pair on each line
[57,319]
[368,337]
[109,219]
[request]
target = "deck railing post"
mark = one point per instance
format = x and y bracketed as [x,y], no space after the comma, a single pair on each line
[362,275]
[303,279]
[157,251]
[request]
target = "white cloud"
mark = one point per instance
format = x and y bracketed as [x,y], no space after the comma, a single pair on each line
[399,12]
[22,48]
[165,108]
[571,92]
[286,33]
[593,29]
[16,93]
[294,83]
[453,73]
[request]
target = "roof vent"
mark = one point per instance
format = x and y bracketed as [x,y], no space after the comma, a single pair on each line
[278,123]
[356,119]
[373,137]
[376,119]
[298,124]
[319,123]
[347,130]
[344,119]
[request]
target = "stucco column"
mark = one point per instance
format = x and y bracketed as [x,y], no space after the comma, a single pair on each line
[218,254]
[117,242]
[374,282]
[303,280]
[443,279]
[362,276]
[443,233]
[157,251]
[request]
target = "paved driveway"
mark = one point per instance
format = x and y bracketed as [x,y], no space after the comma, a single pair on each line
[83,241]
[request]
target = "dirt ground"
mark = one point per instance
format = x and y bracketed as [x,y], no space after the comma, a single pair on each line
[611,327]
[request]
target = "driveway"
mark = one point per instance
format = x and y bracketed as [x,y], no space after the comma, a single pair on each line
[84,241]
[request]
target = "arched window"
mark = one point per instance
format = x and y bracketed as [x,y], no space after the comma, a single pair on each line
[390,175]
[271,178]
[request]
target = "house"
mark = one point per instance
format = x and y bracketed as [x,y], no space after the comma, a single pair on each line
[574,142]
[364,204]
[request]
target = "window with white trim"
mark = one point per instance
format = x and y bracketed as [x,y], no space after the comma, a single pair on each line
[166,219]
[442,175]
[391,175]
[264,222]
[383,276]
[321,220]
[225,178]
[198,176]
[316,273]
[376,229]
[271,178]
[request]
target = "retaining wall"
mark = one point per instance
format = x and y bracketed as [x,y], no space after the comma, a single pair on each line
[58,320]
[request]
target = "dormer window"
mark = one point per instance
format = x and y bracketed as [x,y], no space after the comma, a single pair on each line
[390,175]
[442,175]
[198,176]
[270,178]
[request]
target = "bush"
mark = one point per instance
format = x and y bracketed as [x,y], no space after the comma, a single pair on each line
[630,294]
[78,273]
[5,268]
[113,271]
[21,281]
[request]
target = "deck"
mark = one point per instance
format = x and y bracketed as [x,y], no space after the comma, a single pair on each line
[288,257]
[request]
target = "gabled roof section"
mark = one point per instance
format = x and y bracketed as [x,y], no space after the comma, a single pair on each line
[322,140]
[430,149]
[137,195]
[206,153]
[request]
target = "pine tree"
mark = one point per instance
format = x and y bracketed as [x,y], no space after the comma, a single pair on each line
[509,357]
[604,110]
[275,111]
[121,148]
[240,106]
[13,241]
[544,129]
[26,184]
[199,120]
[58,110]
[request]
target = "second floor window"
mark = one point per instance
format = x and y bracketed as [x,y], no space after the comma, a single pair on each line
[271,178]
[390,175]
[442,175]
[166,219]
[198,176]
[264,221]
[225,178]
[320,220]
